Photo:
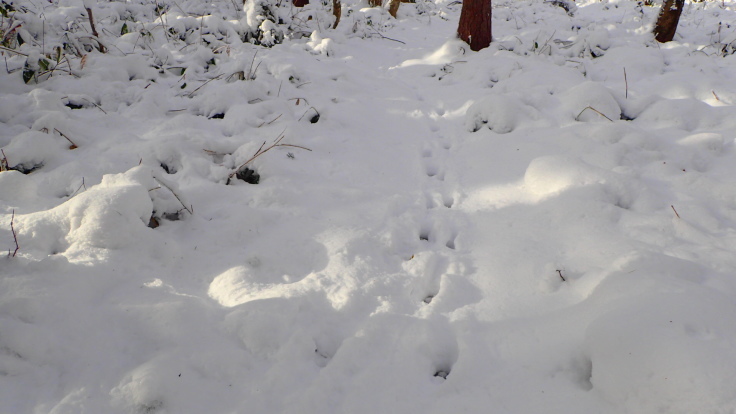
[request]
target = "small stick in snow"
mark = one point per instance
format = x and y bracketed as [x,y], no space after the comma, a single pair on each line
[15,236]
[388,38]
[73,146]
[577,118]
[80,187]
[559,272]
[262,151]
[626,81]
[94,30]
[673,209]
[717,98]
[98,106]
[5,49]
[188,209]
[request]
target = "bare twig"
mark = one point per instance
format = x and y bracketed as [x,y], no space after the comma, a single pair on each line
[80,187]
[673,209]
[559,272]
[262,151]
[188,209]
[388,38]
[94,30]
[15,236]
[5,49]
[626,81]
[577,118]
[98,106]
[73,146]
[716,96]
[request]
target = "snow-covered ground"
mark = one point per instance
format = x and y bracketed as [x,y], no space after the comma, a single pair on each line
[545,226]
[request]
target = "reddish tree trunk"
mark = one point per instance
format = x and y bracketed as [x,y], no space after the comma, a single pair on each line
[300,3]
[393,7]
[475,24]
[336,11]
[669,16]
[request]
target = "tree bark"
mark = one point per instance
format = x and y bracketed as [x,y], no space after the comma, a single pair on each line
[336,11]
[300,3]
[375,3]
[475,24]
[393,7]
[669,16]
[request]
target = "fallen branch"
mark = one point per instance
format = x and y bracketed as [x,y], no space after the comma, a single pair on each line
[15,236]
[577,118]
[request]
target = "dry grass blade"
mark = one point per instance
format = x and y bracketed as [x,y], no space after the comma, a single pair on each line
[577,118]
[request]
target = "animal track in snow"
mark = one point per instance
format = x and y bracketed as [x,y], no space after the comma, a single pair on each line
[432,169]
[437,199]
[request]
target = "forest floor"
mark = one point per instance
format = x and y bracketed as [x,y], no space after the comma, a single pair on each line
[546,225]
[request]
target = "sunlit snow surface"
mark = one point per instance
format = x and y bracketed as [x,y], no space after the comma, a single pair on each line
[544,226]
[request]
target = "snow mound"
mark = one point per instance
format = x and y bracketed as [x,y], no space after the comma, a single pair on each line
[590,102]
[685,114]
[110,215]
[549,175]
[500,113]
[17,188]
[32,149]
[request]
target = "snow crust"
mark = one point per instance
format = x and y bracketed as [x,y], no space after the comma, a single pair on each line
[545,226]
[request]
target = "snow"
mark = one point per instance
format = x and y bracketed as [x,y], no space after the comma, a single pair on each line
[546,225]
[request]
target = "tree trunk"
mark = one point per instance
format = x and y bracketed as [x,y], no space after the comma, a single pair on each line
[475,24]
[336,11]
[393,7]
[669,16]
[300,3]
[375,3]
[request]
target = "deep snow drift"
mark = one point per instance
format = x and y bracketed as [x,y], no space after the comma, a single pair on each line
[544,226]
